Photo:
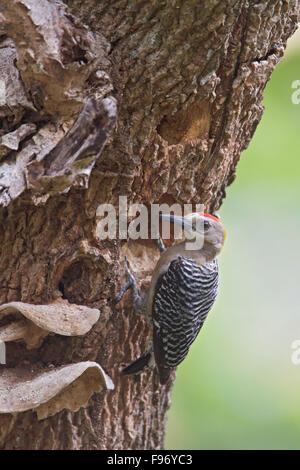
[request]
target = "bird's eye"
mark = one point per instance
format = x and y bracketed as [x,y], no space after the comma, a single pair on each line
[206,225]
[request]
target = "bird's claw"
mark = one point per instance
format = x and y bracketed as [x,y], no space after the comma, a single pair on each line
[160,244]
[129,273]
[128,284]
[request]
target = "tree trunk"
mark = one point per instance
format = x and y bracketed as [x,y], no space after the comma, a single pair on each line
[146,99]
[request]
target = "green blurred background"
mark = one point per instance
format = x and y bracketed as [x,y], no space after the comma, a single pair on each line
[238,388]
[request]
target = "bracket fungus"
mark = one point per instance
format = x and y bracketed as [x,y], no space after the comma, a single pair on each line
[59,317]
[49,392]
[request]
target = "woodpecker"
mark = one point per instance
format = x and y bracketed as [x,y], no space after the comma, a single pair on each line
[183,289]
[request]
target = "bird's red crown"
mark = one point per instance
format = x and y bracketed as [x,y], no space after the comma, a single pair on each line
[209,215]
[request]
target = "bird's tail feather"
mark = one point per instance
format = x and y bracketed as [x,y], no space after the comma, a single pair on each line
[138,365]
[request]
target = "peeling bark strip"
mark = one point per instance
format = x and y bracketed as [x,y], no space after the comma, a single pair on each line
[73,159]
[60,65]
[68,164]
[187,78]
[56,54]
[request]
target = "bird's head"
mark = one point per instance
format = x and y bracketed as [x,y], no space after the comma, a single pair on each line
[200,230]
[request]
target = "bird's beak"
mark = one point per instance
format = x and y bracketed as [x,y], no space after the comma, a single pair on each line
[177,220]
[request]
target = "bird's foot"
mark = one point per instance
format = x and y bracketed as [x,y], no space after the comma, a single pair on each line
[130,283]
[139,301]
[160,244]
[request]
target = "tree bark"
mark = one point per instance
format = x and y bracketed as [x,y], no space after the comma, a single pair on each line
[146,99]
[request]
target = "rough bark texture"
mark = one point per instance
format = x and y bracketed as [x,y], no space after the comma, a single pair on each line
[186,79]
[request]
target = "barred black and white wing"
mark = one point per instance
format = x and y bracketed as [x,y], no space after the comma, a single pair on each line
[183,297]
